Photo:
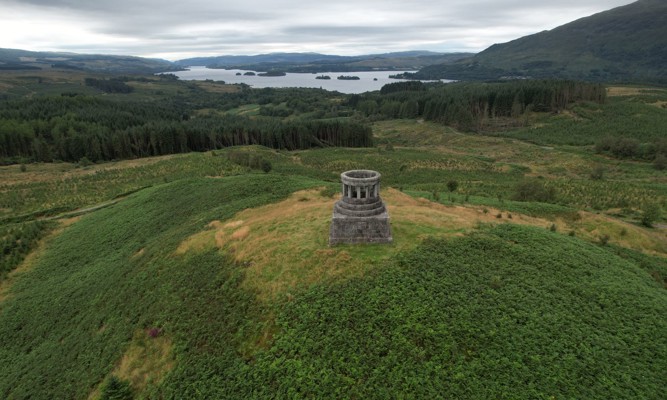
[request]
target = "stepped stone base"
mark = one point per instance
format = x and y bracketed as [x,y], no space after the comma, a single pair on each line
[345,229]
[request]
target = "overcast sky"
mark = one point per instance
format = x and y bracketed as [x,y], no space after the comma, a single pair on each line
[179,29]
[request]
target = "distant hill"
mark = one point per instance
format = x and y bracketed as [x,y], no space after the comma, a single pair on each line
[234,60]
[315,62]
[14,59]
[627,44]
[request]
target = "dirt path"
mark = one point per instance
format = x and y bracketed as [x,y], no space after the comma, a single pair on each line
[82,211]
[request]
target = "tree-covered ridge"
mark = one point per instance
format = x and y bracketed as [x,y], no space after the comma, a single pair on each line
[69,128]
[210,115]
[475,106]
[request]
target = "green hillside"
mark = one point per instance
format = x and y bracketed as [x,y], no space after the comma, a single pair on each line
[92,290]
[625,44]
[503,312]
[477,317]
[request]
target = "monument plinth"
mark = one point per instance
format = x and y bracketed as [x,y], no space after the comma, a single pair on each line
[360,216]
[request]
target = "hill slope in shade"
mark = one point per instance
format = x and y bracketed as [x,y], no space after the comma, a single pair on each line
[503,312]
[14,59]
[314,62]
[627,43]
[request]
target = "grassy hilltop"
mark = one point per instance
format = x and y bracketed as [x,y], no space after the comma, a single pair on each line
[529,256]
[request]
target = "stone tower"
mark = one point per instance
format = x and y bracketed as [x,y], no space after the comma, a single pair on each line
[360,216]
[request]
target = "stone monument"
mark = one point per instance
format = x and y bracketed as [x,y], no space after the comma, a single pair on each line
[360,216]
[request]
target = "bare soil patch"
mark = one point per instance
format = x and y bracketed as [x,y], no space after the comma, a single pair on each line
[623,91]
[218,87]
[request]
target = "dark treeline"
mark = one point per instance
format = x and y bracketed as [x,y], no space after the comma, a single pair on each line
[627,147]
[474,106]
[70,128]
[416,86]
[109,85]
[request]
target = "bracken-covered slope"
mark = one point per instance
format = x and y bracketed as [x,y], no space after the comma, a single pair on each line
[144,292]
[627,43]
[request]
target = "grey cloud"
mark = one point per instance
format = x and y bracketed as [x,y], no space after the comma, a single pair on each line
[336,30]
[252,26]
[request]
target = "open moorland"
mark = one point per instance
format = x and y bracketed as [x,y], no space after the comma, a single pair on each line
[167,239]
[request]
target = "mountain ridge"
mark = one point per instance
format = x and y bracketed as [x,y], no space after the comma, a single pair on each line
[317,62]
[19,59]
[626,44]
[233,59]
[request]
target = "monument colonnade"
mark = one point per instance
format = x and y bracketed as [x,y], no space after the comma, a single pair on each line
[360,185]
